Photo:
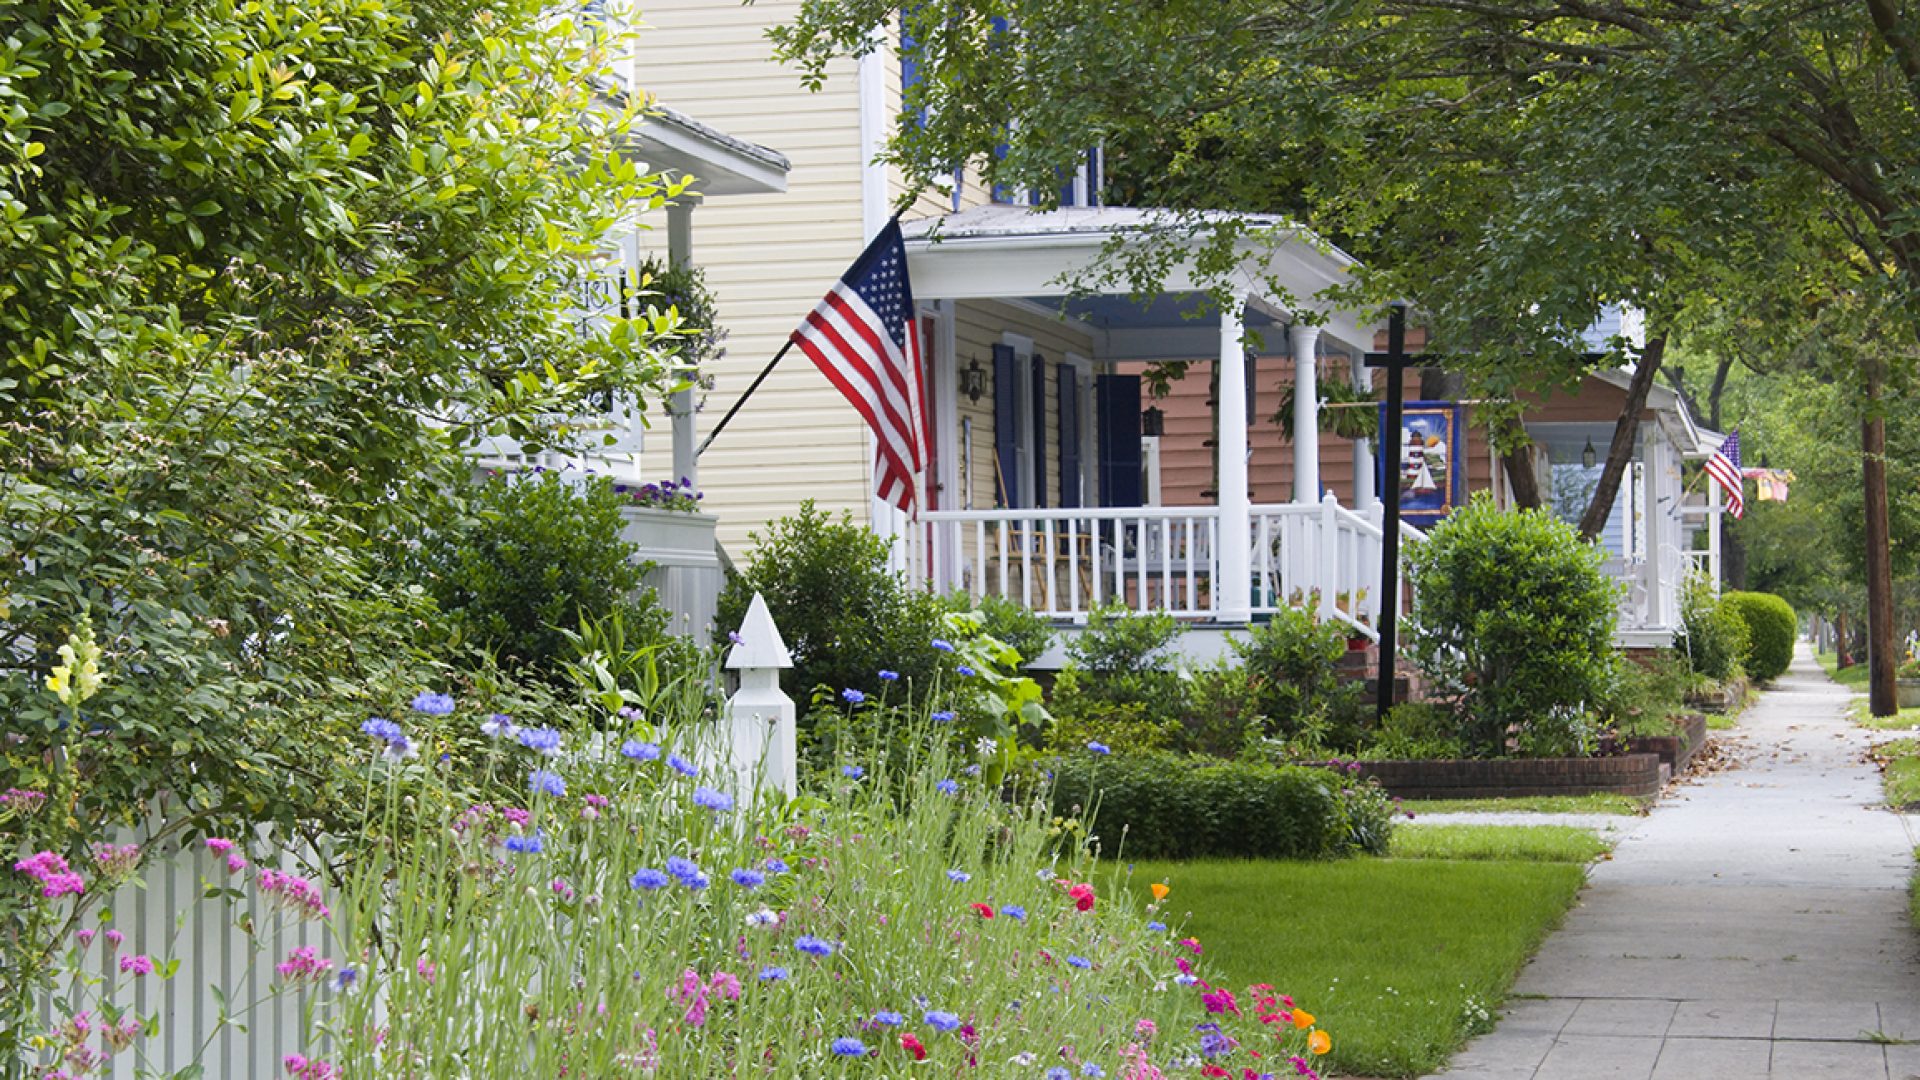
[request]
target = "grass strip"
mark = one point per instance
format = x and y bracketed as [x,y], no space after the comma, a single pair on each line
[1904,720]
[1516,843]
[1540,804]
[1401,960]
[1855,676]
[1900,771]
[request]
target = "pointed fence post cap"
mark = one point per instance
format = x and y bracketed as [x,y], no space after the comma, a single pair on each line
[757,644]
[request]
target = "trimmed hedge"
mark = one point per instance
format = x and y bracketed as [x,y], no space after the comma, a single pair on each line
[1771,628]
[1161,806]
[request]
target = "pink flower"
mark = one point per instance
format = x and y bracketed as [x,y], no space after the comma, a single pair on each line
[425,970]
[219,846]
[726,985]
[140,964]
[235,864]
[1146,1030]
[114,938]
[303,965]
[1192,944]
[295,1064]
[115,861]
[85,937]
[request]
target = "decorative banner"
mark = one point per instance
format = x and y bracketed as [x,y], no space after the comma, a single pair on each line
[1432,467]
[1770,484]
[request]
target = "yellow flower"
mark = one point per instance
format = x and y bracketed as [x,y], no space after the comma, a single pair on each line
[1159,891]
[78,678]
[1319,1042]
[57,682]
[1302,1019]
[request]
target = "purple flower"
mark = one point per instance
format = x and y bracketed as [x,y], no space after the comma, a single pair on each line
[687,873]
[852,772]
[1099,748]
[426,701]
[384,730]
[710,799]
[648,879]
[942,1021]
[549,782]
[1079,962]
[1058,1072]
[544,739]
[1014,911]
[1157,925]
[734,636]
[888,676]
[944,716]
[748,879]
[776,866]
[854,697]
[965,670]
[399,749]
[886,1018]
[499,726]
[847,1046]
[959,877]
[947,787]
[525,845]
[813,946]
[682,765]
[772,974]
[635,750]
[942,645]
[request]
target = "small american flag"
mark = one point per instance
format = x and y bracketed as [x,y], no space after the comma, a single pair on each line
[1724,467]
[862,339]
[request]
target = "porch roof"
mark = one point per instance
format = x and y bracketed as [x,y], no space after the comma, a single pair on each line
[1002,252]
[721,164]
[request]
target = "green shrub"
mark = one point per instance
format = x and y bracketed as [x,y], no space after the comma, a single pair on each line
[1771,628]
[1029,633]
[1647,696]
[535,555]
[844,614]
[1713,635]
[1125,726]
[1123,656]
[1290,663]
[1159,806]
[1513,622]
[1416,731]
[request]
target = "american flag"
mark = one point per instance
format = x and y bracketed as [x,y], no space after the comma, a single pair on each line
[862,339]
[1724,467]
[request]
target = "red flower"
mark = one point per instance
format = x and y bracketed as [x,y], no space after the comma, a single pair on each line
[1082,897]
[1214,1070]
[912,1045]
[985,910]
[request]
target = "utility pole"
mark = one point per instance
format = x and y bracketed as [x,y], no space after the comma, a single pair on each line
[1882,696]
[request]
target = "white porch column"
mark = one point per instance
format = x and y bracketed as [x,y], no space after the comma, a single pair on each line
[680,405]
[1306,414]
[1717,507]
[1363,494]
[1233,591]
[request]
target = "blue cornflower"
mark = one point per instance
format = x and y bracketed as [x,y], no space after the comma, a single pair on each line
[847,1046]
[813,946]
[635,750]
[544,739]
[1059,1072]
[1214,1044]
[959,877]
[1156,925]
[852,772]
[888,676]
[399,748]
[549,782]
[1014,911]
[942,1021]
[854,697]
[687,873]
[682,765]
[965,670]
[1079,962]
[947,787]
[886,1018]
[972,770]
[748,879]
[710,799]
[942,645]
[944,716]
[524,845]
[1098,748]
[499,725]
[648,878]
[1088,1068]
[426,701]
[384,730]
[345,980]
[772,974]
[776,866]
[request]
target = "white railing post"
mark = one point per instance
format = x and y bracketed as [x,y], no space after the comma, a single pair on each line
[1370,564]
[1329,570]
[1234,589]
[1306,413]
[762,748]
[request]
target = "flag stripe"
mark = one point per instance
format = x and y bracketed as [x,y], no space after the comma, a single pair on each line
[857,393]
[834,354]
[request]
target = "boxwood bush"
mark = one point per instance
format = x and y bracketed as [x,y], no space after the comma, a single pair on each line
[1162,806]
[1771,628]
[1714,637]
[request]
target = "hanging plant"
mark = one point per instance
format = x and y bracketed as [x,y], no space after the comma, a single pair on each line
[683,288]
[1352,416]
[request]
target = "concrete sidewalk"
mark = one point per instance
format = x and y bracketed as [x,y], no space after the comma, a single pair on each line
[1754,926]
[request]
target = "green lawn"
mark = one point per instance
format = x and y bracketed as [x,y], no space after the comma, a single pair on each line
[1901,759]
[1722,721]
[1855,676]
[1904,720]
[1543,843]
[1402,959]
[1544,804]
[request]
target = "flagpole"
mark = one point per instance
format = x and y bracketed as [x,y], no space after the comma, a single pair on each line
[764,372]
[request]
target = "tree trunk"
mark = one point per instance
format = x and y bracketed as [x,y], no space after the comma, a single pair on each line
[1522,480]
[1626,431]
[1842,650]
[1883,697]
[1733,556]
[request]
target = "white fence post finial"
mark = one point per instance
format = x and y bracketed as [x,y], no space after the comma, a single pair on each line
[760,718]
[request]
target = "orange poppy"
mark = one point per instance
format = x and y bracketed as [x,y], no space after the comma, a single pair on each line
[1159,891]
[1319,1042]
[1302,1019]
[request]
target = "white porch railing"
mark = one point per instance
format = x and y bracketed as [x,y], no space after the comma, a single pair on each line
[1062,563]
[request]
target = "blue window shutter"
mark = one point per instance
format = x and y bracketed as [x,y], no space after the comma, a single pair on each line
[910,68]
[1068,389]
[1039,374]
[1117,401]
[1006,419]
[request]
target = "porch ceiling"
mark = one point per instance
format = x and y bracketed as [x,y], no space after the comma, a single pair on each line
[1048,256]
[1170,326]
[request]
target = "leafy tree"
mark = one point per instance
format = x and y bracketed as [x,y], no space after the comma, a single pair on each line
[268,269]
